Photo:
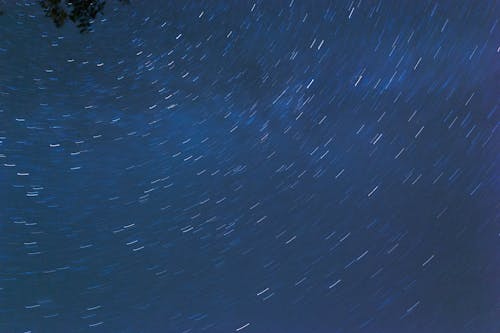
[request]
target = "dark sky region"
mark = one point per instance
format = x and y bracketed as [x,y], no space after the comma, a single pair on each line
[266,167]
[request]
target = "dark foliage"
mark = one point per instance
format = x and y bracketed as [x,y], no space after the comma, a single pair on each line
[80,12]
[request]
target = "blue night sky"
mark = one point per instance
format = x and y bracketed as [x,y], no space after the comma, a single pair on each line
[256,167]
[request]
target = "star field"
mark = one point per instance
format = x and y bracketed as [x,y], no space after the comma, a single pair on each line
[270,166]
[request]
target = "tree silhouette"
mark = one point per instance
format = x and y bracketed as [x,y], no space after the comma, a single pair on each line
[80,12]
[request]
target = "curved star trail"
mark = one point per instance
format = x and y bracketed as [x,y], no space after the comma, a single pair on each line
[204,166]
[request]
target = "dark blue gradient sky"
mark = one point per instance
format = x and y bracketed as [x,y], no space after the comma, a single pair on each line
[268,167]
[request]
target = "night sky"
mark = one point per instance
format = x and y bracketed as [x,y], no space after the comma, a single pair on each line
[268,167]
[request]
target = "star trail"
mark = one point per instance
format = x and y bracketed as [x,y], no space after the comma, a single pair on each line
[251,166]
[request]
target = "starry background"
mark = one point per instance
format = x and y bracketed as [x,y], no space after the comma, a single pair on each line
[231,166]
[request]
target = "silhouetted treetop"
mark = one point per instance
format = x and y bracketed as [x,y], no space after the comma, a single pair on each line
[80,12]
